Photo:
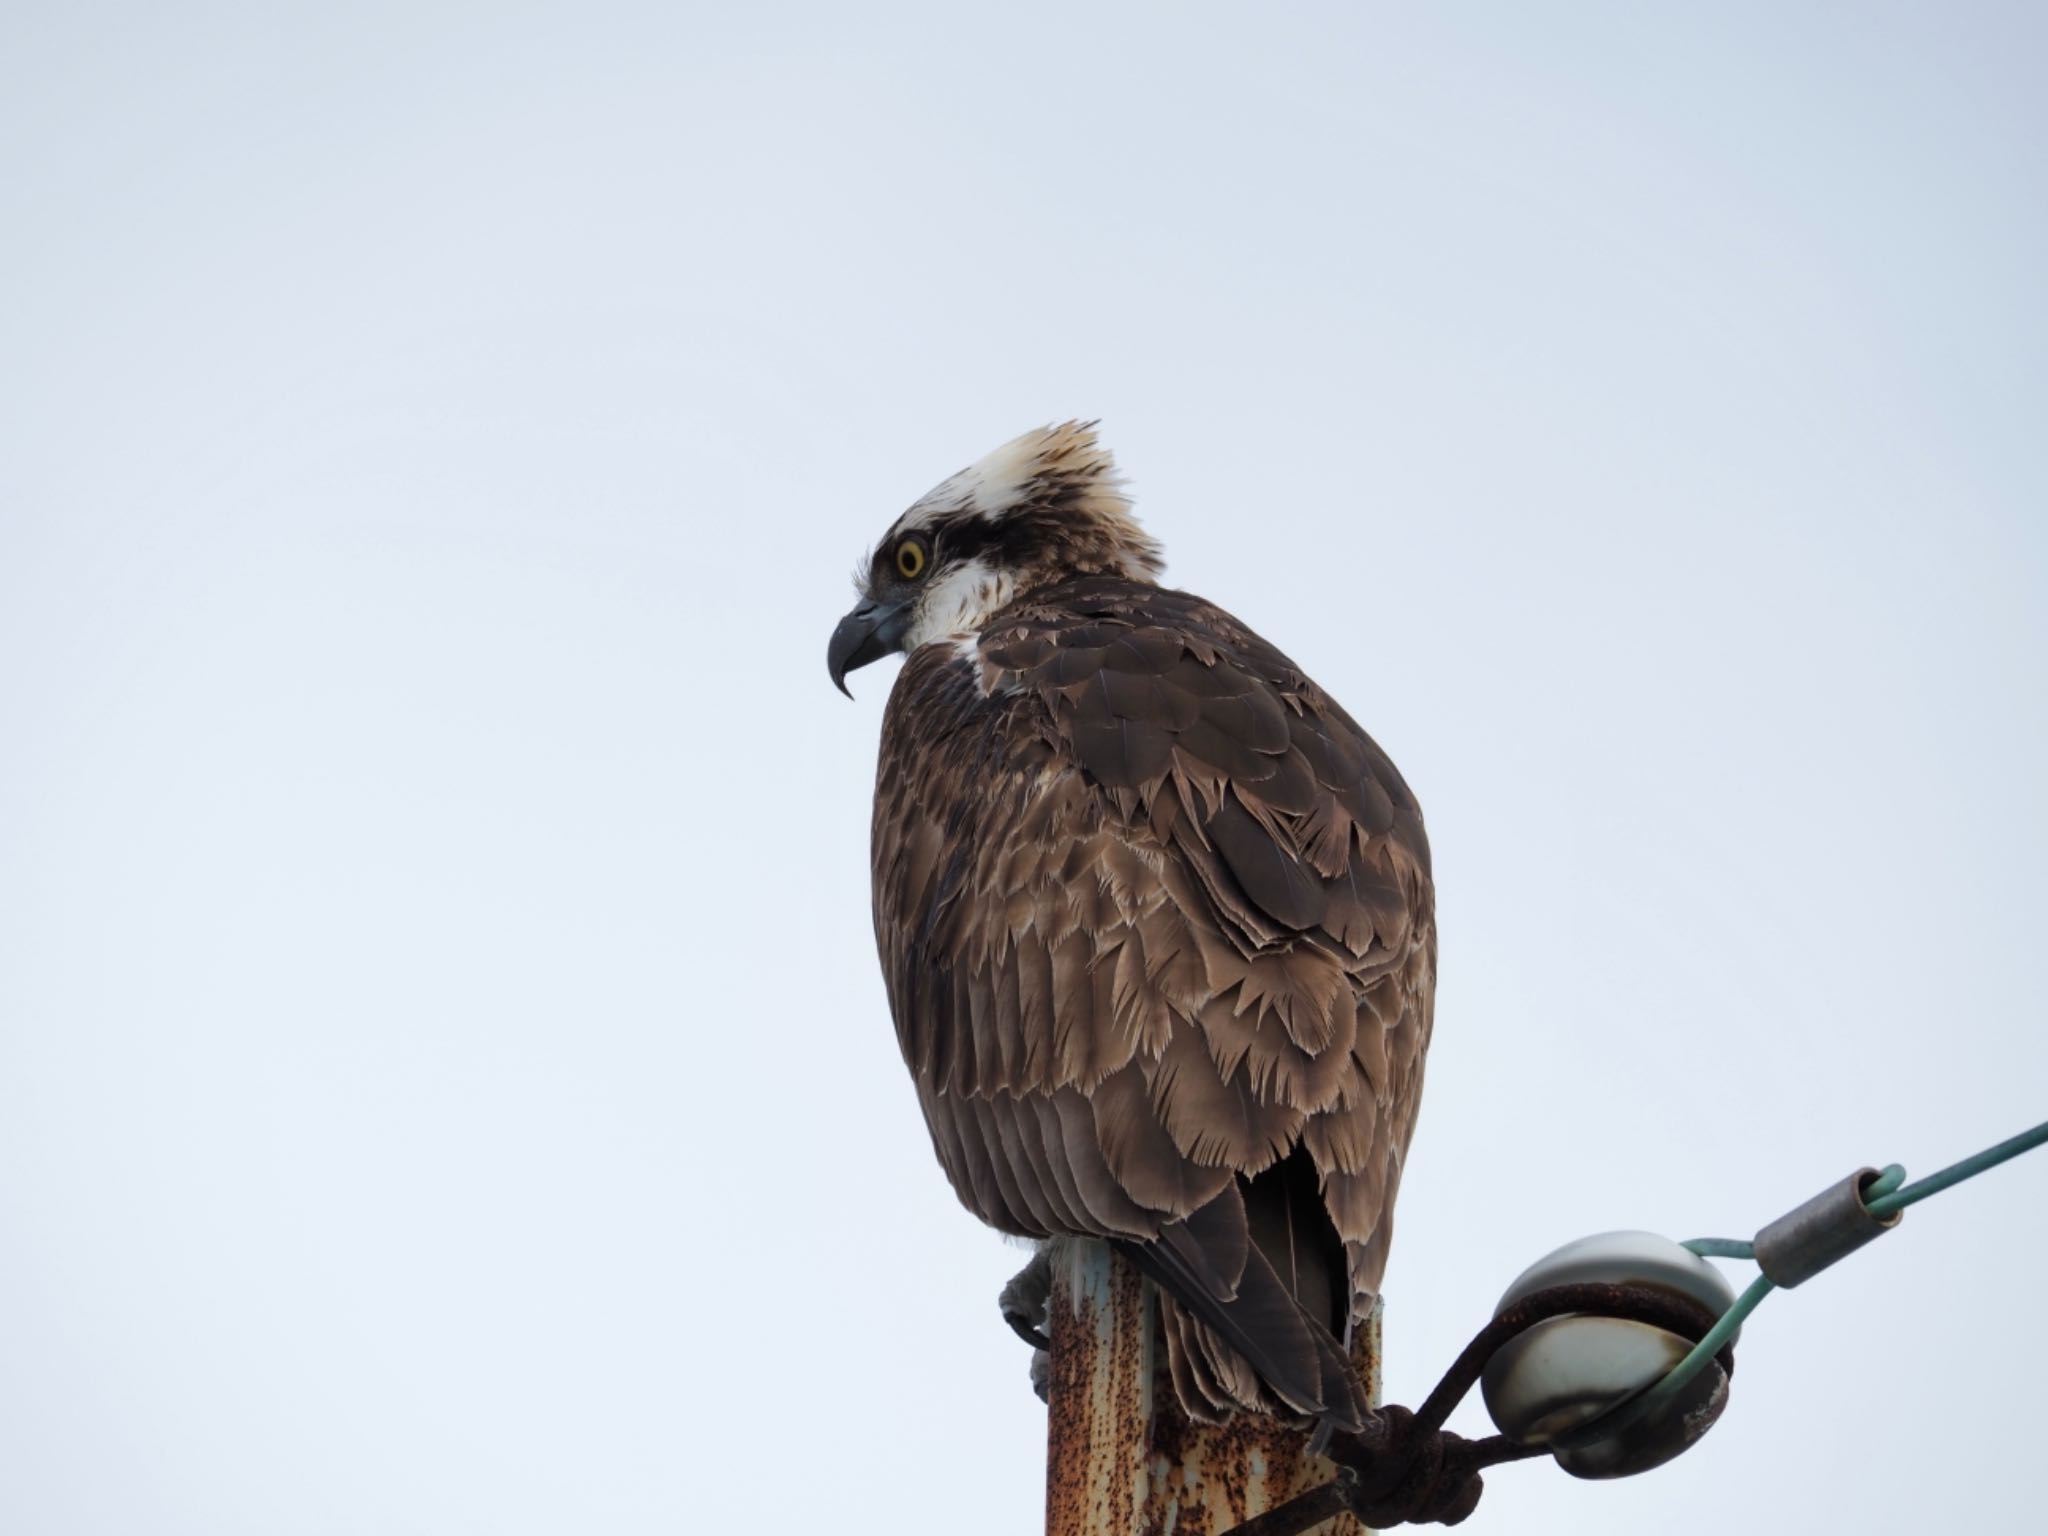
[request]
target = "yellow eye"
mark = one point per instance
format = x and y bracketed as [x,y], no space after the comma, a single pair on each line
[910,559]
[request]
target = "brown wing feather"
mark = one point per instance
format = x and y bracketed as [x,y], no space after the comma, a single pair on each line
[1152,912]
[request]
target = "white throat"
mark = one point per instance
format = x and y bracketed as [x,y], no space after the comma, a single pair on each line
[958,603]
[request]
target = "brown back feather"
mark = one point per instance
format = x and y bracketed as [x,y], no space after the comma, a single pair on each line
[1152,912]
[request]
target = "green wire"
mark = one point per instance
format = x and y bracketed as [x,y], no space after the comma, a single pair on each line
[1710,1343]
[1721,1247]
[1656,1396]
[1968,1168]
[1889,1179]
[1882,1196]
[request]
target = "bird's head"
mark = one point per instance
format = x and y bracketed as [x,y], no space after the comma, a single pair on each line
[1044,507]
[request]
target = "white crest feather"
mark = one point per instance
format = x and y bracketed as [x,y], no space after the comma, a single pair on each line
[1065,463]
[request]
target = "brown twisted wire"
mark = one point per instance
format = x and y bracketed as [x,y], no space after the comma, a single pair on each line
[1405,1468]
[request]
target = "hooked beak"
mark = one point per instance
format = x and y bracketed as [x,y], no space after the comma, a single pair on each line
[870,632]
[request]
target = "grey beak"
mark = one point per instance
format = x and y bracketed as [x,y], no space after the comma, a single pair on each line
[870,632]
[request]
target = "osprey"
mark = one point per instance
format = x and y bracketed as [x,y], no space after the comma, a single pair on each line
[1155,920]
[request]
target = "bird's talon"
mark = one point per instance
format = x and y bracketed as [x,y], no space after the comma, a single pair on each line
[1024,1301]
[1037,1338]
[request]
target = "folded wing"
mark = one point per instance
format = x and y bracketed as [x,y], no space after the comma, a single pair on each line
[1155,917]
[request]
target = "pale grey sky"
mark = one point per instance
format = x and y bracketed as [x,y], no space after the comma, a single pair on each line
[444,1079]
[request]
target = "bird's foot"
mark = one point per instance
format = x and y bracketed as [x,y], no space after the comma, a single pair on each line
[1027,1297]
[1026,1304]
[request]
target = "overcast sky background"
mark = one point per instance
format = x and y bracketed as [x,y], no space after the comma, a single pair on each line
[445,1084]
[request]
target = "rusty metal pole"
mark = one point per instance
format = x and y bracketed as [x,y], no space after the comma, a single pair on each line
[1121,1458]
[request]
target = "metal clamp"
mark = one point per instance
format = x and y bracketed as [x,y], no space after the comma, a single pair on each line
[1826,1229]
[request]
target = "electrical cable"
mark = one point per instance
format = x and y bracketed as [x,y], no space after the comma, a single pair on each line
[1883,1196]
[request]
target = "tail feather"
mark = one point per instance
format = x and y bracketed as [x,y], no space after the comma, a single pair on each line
[1256,1273]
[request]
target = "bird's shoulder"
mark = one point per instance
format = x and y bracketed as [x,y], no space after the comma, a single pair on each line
[1200,730]
[1133,869]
